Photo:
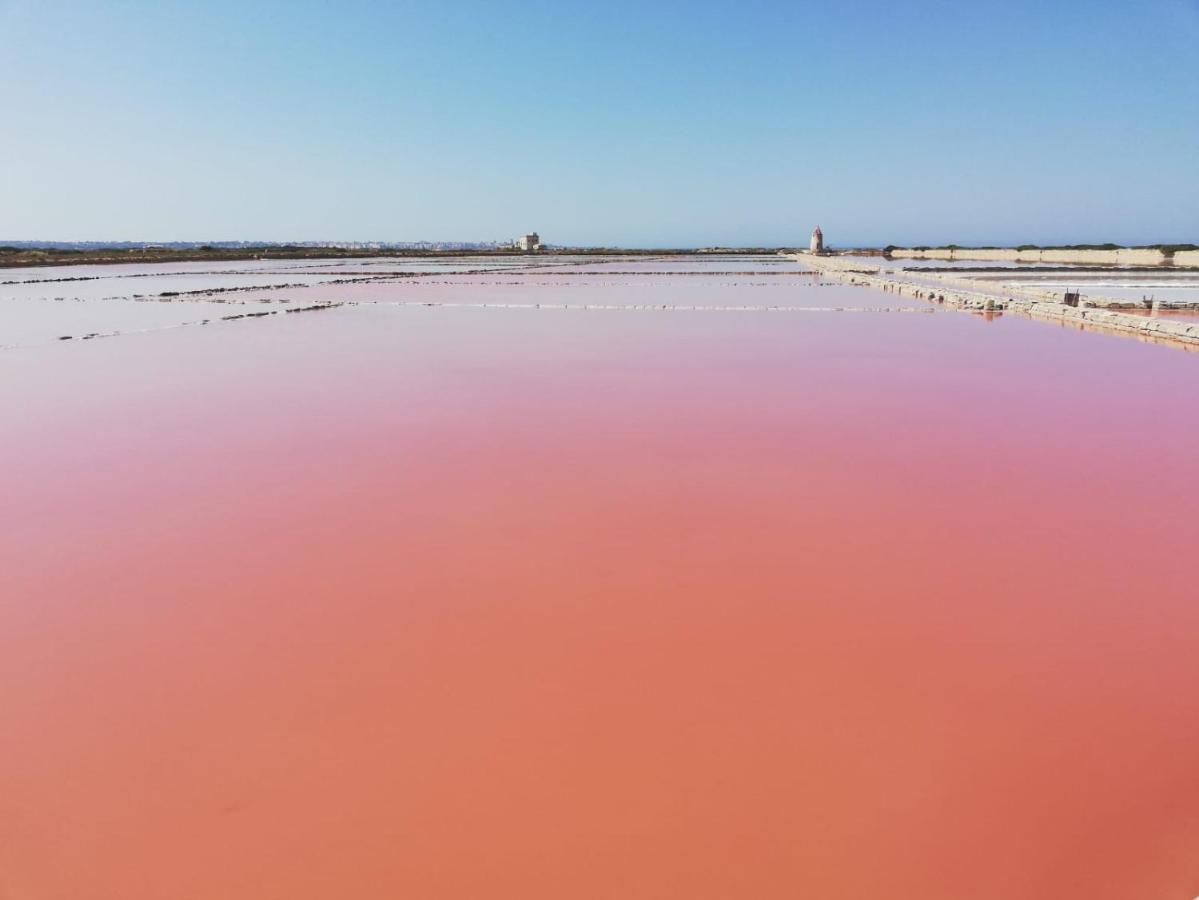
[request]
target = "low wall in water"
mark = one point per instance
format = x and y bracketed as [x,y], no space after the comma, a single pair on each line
[1128,256]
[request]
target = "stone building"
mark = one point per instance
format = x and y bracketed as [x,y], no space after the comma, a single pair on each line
[530,241]
[816,245]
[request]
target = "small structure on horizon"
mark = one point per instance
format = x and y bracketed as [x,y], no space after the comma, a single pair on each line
[529,242]
[816,245]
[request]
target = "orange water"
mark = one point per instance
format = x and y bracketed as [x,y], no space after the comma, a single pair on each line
[441,603]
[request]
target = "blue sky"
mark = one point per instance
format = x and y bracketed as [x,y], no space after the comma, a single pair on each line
[622,123]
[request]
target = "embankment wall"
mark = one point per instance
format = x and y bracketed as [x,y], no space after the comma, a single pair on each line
[835,263]
[1129,256]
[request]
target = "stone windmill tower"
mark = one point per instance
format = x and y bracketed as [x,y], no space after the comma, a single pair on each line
[816,245]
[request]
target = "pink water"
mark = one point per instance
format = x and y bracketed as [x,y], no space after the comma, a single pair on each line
[457,603]
[527,289]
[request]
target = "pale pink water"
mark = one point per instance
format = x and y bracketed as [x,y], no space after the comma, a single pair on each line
[591,290]
[460,603]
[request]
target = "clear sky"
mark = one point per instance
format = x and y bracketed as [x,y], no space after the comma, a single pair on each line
[623,123]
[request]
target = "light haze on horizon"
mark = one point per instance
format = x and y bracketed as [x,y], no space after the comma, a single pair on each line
[676,124]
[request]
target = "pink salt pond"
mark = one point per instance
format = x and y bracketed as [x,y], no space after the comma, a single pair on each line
[461,601]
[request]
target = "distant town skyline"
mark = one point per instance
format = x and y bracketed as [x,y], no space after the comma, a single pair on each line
[669,125]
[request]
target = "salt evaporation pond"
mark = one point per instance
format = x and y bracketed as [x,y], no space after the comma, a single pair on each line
[680,264]
[1116,282]
[618,290]
[460,602]
[152,285]
[39,321]
[1144,287]
[887,262]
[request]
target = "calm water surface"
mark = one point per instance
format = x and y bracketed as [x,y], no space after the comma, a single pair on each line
[407,601]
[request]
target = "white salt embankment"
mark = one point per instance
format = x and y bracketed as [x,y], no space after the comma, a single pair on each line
[961,293]
[1123,256]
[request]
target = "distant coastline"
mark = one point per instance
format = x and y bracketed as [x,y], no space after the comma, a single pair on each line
[20,254]
[28,254]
